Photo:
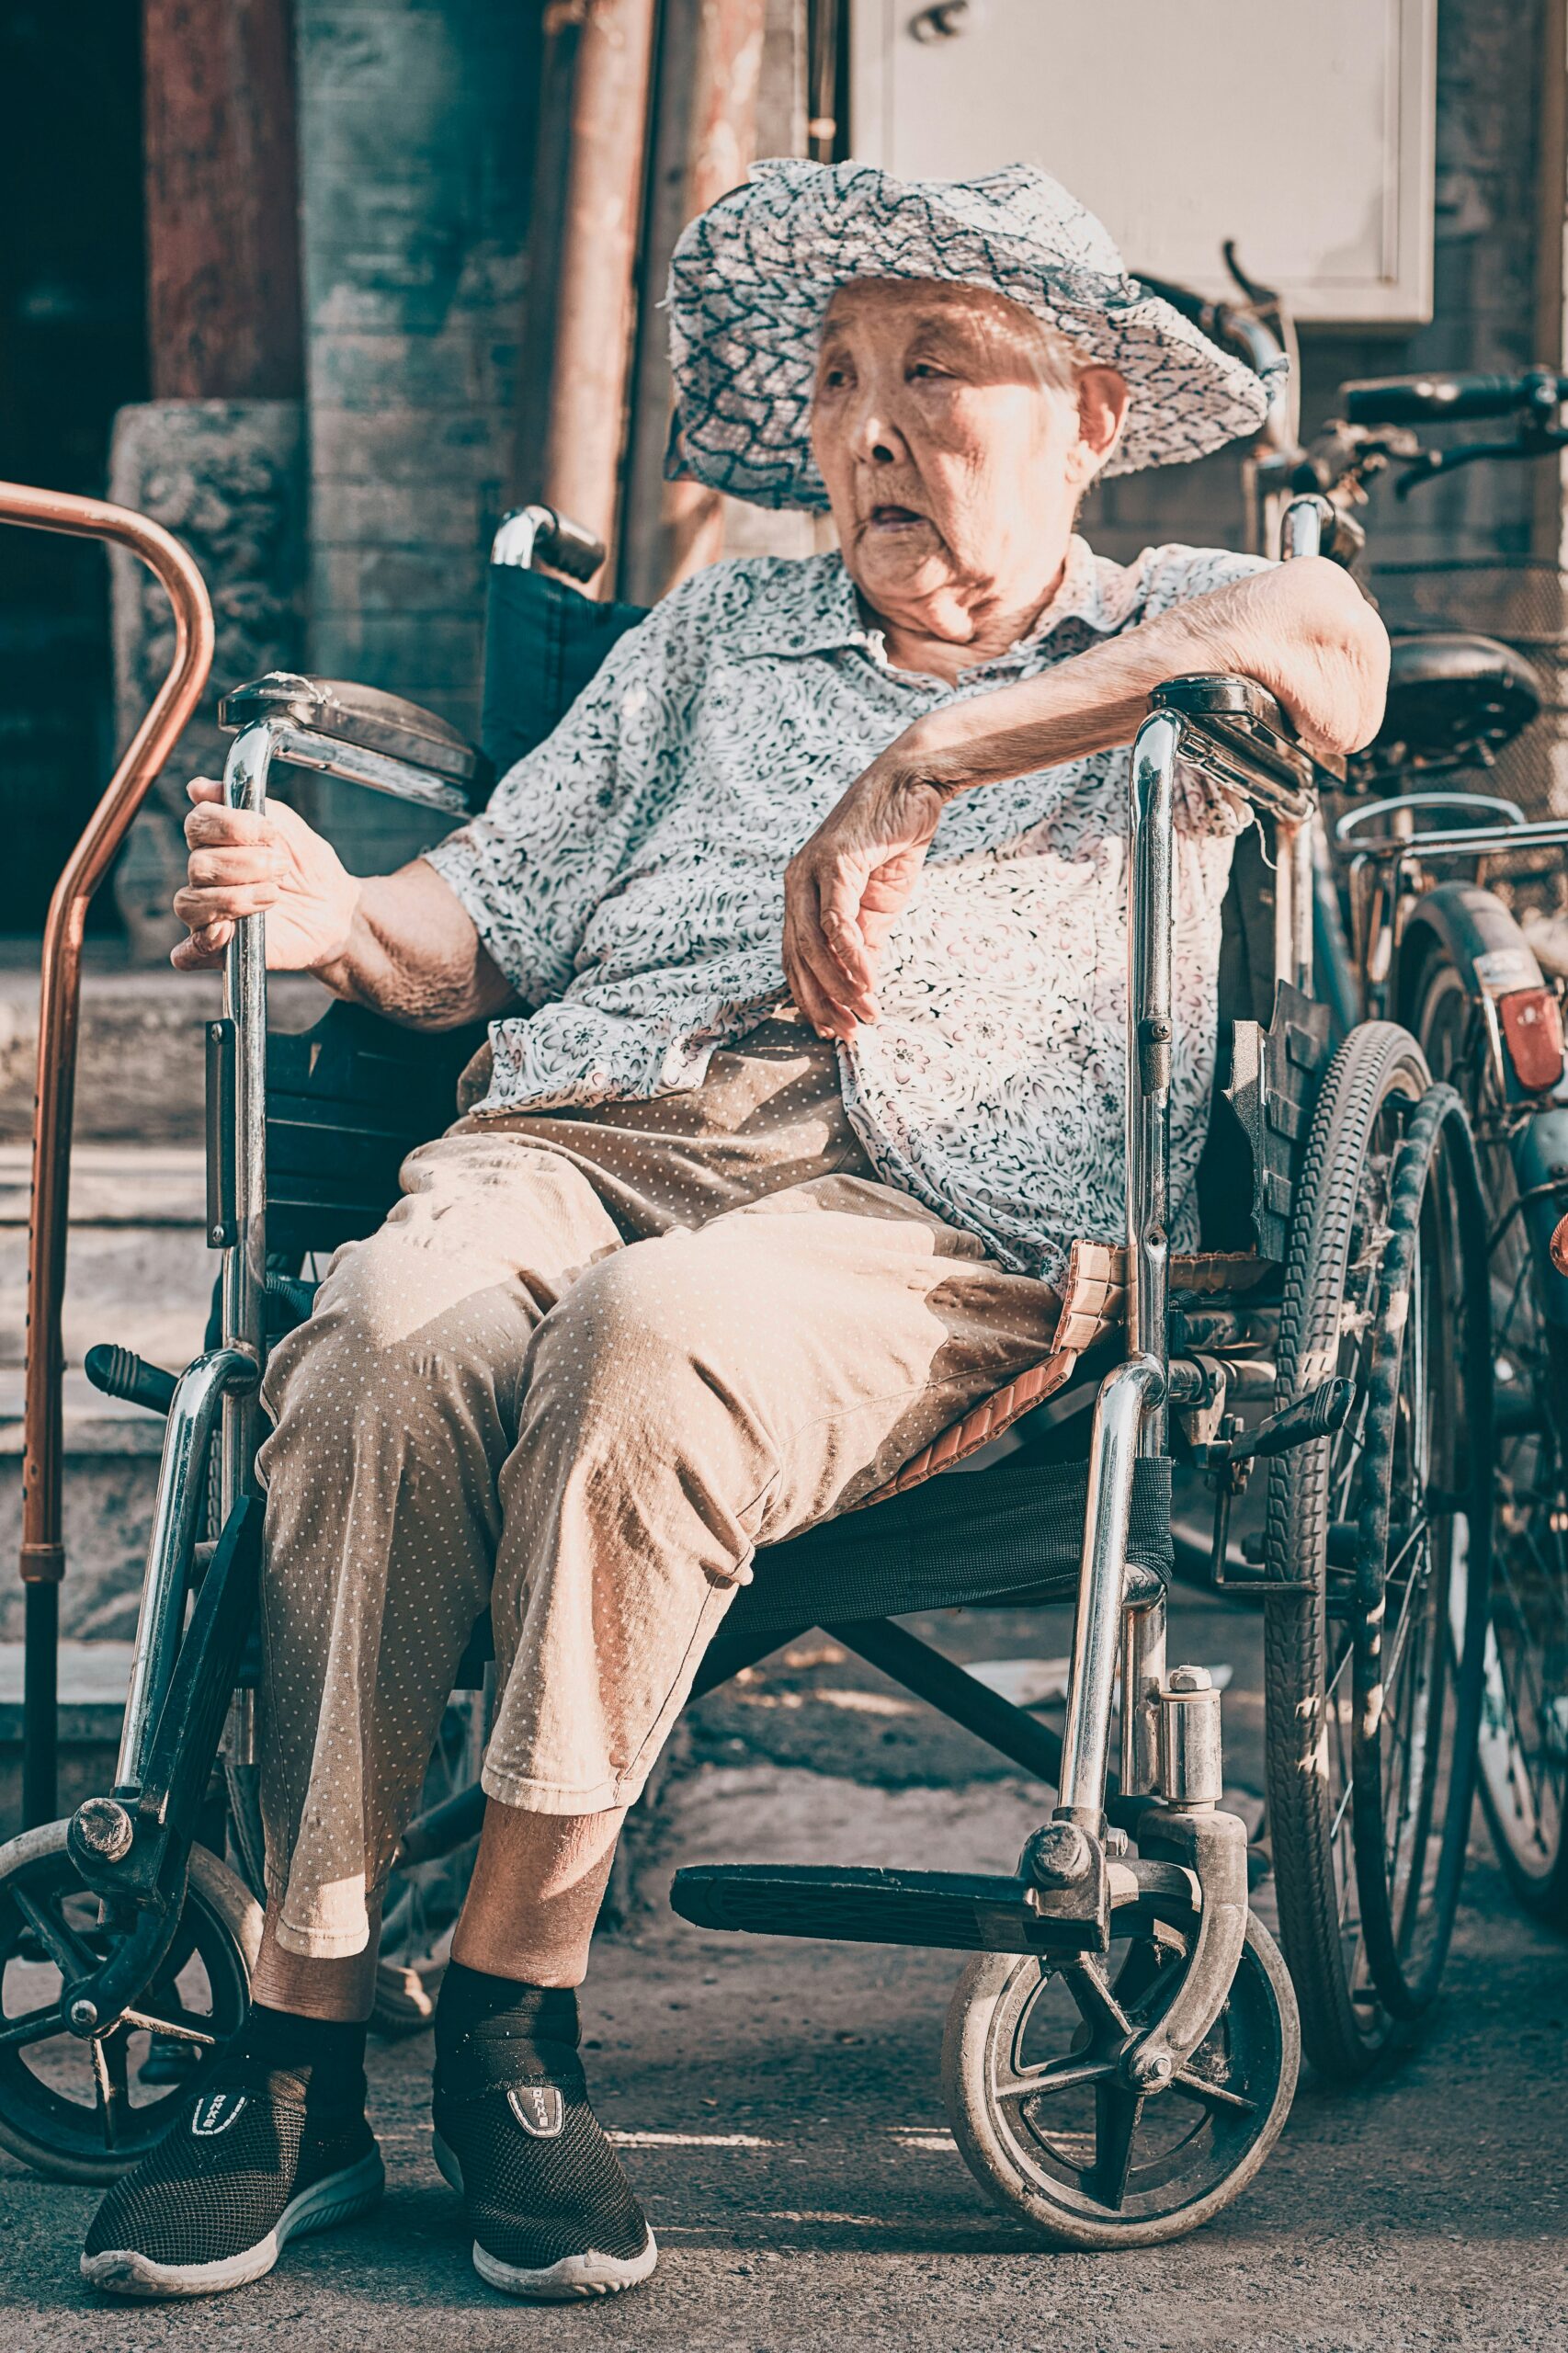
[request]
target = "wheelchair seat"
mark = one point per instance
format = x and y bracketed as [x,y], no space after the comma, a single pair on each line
[367,717]
[1453,696]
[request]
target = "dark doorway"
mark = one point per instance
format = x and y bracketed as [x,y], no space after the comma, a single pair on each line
[73,350]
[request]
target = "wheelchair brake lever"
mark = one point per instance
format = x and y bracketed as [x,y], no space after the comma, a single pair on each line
[1318,1414]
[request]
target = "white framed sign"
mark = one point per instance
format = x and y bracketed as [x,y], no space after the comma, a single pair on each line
[1305,133]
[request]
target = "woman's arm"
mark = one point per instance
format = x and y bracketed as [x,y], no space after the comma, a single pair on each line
[401,944]
[1302,630]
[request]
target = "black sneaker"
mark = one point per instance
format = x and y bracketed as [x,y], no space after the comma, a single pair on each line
[551,2211]
[247,2167]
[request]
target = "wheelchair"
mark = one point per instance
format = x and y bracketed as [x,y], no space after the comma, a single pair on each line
[1122,2046]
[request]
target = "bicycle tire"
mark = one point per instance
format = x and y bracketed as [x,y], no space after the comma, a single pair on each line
[1302,1657]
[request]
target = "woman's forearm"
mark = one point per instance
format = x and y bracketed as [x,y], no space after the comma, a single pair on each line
[1303,631]
[413,954]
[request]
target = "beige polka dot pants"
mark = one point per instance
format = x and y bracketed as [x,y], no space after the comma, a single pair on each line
[588,1366]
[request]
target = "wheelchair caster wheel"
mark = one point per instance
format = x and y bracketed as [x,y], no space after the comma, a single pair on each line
[85,2111]
[1030,2073]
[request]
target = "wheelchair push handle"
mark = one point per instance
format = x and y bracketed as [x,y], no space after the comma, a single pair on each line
[530,536]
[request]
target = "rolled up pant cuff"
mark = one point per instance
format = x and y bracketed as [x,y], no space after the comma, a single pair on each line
[318,1940]
[554,1797]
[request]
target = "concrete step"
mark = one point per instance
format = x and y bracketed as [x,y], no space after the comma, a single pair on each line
[141,1058]
[137,1269]
[138,1272]
[94,1679]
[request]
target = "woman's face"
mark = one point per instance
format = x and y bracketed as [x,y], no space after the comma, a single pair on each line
[955,446]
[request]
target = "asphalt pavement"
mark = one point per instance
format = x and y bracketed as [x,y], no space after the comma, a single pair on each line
[780,2108]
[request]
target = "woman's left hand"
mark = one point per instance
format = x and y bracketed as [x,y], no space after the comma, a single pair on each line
[844,887]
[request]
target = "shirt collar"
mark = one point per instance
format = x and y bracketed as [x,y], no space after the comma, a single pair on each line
[808,605]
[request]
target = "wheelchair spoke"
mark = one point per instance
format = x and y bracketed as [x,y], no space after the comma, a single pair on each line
[70,1955]
[1213,2095]
[1117,2114]
[35,2026]
[108,2082]
[1058,2075]
[1095,2002]
[181,2027]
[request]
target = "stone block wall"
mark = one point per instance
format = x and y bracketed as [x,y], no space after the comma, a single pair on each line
[415,147]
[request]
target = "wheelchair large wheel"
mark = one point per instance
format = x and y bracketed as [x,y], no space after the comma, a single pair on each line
[1378,1536]
[1030,2076]
[86,2111]
[1524,1727]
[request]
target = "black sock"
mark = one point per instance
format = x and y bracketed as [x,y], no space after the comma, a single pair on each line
[474,2005]
[328,2055]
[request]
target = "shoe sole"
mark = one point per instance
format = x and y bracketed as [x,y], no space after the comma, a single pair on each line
[336,2198]
[572,2279]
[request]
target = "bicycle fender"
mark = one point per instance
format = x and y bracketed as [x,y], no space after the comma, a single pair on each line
[1475,931]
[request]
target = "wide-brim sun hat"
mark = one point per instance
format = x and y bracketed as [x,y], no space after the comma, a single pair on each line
[752,278]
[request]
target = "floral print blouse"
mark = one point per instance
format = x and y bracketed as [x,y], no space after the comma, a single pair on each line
[628,879]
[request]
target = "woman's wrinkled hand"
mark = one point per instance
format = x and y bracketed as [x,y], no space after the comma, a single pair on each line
[845,886]
[244,864]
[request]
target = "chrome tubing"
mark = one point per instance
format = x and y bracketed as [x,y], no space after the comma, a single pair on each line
[1150,1036]
[1301,532]
[1142,1677]
[177,1515]
[244,1004]
[1131,1396]
[1293,887]
[354,764]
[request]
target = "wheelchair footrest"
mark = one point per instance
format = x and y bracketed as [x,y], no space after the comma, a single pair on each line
[964,1911]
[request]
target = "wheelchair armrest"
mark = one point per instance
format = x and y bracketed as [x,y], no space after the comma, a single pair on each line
[1238,732]
[363,736]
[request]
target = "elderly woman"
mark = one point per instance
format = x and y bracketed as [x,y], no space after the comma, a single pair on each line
[802,943]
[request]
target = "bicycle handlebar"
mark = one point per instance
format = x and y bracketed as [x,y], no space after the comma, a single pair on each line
[1440,400]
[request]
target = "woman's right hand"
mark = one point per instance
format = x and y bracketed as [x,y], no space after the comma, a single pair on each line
[243,864]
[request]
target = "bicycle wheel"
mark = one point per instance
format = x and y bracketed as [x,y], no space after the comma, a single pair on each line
[1373,1646]
[1524,1726]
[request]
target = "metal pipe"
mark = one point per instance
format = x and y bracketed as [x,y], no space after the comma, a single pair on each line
[594,267]
[244,1004]
[1129,1397]
[42,1549]
[1150,1034]
[704,139]
[177,1513]
[1143,1673]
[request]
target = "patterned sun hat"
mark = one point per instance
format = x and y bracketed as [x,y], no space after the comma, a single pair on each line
[752,278]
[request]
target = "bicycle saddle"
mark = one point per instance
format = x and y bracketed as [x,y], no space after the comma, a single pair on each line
[1453,697]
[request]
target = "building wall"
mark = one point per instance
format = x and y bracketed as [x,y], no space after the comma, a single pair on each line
[416,149]
[1491,56]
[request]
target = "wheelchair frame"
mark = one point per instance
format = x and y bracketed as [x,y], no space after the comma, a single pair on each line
[132,1848]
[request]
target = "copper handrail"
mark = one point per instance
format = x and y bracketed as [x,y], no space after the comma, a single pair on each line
[43,1551]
